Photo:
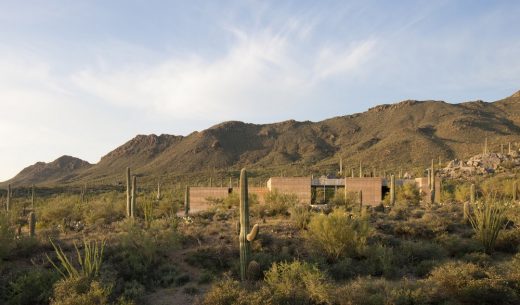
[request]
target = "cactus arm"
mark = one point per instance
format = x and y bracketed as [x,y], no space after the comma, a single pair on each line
[254,232]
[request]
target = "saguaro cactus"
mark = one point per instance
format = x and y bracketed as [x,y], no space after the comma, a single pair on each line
[509,150]
[466,212]
[340,166]
[128,193]
[158,191]
[245,238]
[187,201]
[134,191]
[8,202]
[515,190]
[32,224]
[432,189]
[32,197]
[392,190]
[360,199]
[360,170]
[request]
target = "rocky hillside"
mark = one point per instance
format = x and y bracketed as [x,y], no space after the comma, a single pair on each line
[61,170]
[405,134]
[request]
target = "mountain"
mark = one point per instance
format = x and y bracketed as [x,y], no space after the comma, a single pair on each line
[61,170]
[404,135]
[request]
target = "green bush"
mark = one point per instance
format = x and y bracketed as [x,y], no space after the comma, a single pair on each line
[277,203]
[138,254]
[338,234]
[300,215]
[79,291]
[31,287]
[408,194]
[297,283]
[468,283]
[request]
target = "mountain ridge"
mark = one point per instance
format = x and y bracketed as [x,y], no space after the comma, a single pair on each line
[409,132]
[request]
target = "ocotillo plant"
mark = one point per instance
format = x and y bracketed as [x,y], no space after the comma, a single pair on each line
[245,238]
[472,195]
[466,212]
[488,219]
[392,190]
[32,224]
[187,201]
[134,195]
[128,192]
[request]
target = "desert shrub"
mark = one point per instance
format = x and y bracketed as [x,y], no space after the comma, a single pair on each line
[468,283]
[7,242]
[209,258]
[399,212]
[167,208]
[297,283]
[300,215]
[104,210]
[63,212]
[408,194]
[80,291]
[462,192]
[418,256]
[508,240]
[138,254]
[226,292]
[31,287]
[369,291]
[488,219]
[338,234]
[381,261]
[277,203]
[457,246]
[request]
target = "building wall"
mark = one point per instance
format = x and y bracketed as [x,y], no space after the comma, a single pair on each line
[371,188]
[301,186]
[199,196]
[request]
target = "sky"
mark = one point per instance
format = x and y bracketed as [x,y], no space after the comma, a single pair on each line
[83,77]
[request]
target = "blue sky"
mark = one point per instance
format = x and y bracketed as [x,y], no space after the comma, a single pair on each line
[82,77]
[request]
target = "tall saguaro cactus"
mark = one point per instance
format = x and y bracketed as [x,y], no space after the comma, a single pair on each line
[32,224]
[340,166]
[32,197]
[158,190]
[360,170]
[187,201]
[134,192]
[245,238]
[432,189]
[128,192]
[515,190]
[8,202]
[392,190]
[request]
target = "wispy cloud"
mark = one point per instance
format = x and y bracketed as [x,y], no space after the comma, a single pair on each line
[260,72]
